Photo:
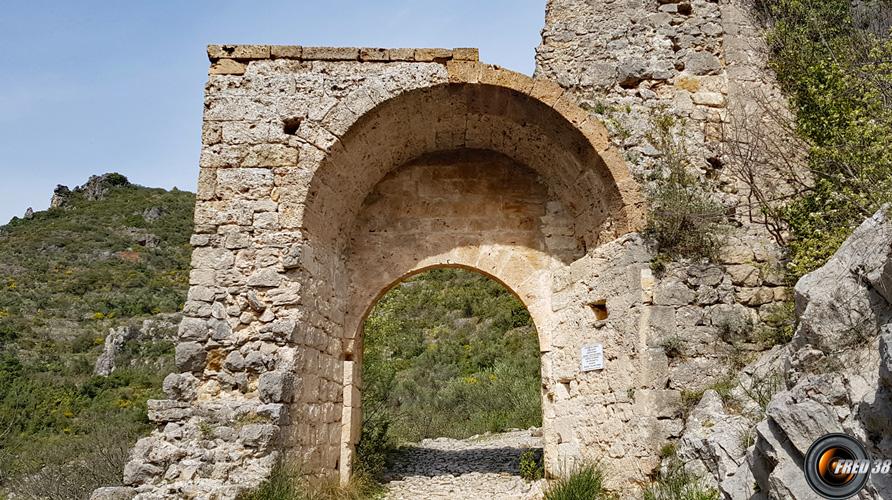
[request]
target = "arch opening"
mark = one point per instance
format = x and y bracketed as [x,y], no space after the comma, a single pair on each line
[448,351]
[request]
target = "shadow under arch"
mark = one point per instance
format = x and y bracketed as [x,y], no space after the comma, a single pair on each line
[568,148]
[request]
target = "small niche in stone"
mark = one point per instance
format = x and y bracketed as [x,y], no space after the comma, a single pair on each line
[599,307]
[290,125]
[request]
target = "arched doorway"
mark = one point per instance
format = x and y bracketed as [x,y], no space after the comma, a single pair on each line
[505,179]
[448,353]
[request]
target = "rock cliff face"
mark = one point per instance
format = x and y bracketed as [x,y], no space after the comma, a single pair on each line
[835,376]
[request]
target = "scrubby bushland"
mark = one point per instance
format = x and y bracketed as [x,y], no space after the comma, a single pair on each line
[838,79]
[66,276]
[287,483]
[447,353]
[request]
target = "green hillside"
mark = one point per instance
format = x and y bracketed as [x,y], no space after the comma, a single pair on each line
[67,275]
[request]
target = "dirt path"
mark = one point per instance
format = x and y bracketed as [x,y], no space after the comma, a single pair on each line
[481,467]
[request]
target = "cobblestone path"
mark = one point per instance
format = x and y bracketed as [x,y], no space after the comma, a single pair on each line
[481,467]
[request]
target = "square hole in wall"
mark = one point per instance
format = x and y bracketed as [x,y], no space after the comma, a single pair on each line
[599,307]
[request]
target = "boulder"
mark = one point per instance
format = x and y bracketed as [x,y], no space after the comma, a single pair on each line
[712,443]
[844,302]
[837,377]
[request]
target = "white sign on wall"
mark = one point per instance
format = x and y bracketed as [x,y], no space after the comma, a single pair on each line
[592,357]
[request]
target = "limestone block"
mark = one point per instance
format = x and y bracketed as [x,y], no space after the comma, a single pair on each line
[672,292]
[702,63]
[161,410]
[270,155]
[180,386]
[203,277]
[286,51]
[464,71]
[227,67]
[248,183]
[238,52]
[546,91]
[400,54]
[465,54]
[373,54]
[430,54]
[267,278]
[137,472]
[744,275]
[190,356]
[193,329]
[712,99]
[258,435]
[330,53]
[276,387]
[212,258]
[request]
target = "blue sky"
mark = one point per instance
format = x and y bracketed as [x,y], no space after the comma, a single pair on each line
[94,86]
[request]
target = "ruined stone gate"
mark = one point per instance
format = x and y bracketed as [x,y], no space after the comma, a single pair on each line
[329,174]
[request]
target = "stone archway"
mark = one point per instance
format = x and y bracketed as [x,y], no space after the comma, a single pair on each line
[492,171]
[328,174]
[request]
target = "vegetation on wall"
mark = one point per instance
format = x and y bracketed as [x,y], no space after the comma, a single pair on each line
[683,221]
[838,78]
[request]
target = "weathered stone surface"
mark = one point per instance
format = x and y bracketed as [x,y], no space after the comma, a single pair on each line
[190,356]
[265,278]
[180,386]
[807,401]
[113,493]
[276,387]
[838,303]
[328,174]
[711,445]
[258,435]
[702,63]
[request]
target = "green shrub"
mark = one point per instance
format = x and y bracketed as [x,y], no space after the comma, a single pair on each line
[374,447]
[677,484]
[837,78]
[668,450]
[780,324]
[673,346]
[585,483]
[683,220]
[530,465]
[287,483]
[73,467]
[448,353]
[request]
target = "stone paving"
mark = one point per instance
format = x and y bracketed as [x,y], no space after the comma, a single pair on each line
[484,467]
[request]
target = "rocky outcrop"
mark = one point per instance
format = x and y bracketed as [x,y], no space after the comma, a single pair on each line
[160,327]
[96,187]
[834,376]
[713,442]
